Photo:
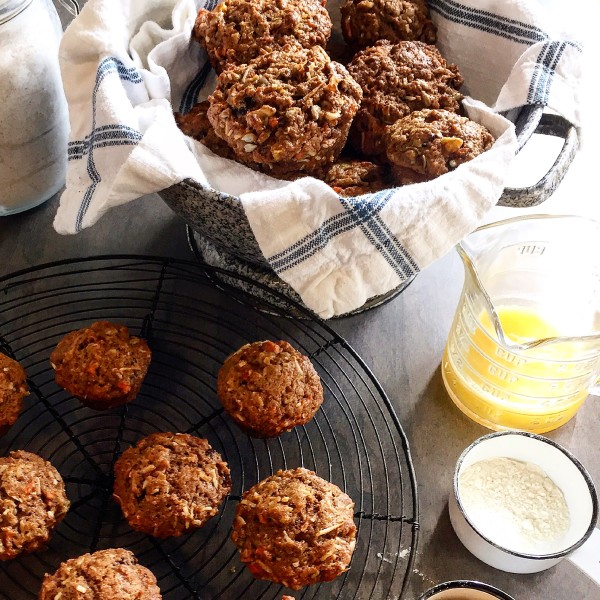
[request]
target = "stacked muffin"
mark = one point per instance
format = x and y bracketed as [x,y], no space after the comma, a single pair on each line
[283,106]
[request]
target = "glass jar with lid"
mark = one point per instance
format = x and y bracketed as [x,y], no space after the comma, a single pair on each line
[34,122]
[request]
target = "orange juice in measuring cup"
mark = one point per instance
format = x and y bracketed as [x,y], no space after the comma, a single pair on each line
[523,351]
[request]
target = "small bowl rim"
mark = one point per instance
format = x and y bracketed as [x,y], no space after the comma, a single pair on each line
[588,479]
[465,584]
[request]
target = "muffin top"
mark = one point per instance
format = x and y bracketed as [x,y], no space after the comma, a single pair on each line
[170,483]
[13,388]
[397,79]
[102,365]
[237,31]
[32,502]
[295,528]
[288,110]
[269,388]
[429,143]
[112,574]
[364,22]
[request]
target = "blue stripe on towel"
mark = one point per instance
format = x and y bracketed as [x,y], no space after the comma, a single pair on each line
[107,67]
[190,96]
[115,134]
[363,212]
[511,29]
[318,239]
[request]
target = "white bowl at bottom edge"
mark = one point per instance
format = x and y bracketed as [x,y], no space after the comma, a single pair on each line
[464,589]
[560,465]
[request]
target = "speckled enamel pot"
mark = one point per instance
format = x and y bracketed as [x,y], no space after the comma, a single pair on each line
[462,589]
[218,217]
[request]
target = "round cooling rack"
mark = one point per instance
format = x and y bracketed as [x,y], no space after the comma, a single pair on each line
[191,325]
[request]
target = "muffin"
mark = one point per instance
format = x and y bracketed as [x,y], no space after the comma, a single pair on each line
[354,177]
[195,124]
[170,483]
[397,79]
[112,574]
[237,31]
[295,528]
[13,388]
[429,143]
[102,365]
[364,22]
[32,503]
[268,388]
[288,111]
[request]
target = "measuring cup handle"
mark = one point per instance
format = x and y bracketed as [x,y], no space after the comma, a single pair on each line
[548,124]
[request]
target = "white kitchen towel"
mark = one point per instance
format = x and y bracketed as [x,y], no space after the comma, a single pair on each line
[127,65]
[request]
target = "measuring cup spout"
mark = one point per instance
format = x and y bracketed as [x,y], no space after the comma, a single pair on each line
[524,347]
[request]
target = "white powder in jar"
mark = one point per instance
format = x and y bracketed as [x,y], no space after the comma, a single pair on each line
[34,120]
[515,504]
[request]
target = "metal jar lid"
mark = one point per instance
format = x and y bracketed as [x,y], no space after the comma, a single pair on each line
[11,8]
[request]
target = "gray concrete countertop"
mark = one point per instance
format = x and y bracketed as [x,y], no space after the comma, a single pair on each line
[402,343]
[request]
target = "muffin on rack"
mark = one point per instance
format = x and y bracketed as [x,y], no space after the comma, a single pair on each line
[112,574]
[364,22]
[269,387]
[33,502]
[295,528]
[102,365]
[288,111]
[429,143]
[170,483]
[397,79]
[13,388]
[236,31]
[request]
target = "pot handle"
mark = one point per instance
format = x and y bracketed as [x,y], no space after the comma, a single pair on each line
[534,121]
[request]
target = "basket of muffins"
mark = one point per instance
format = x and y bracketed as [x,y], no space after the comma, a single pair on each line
[292,528]
[353,93]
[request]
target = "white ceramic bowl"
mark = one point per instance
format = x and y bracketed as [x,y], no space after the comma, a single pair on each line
[560,465]
[464,590]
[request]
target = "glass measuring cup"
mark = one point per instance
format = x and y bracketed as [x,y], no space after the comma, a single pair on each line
[523,351]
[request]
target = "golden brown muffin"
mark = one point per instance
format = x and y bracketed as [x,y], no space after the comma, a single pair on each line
[13,388]
[112,574]
[295,528]
[354,177]
[195,124]
[269,387]
[237,31]
[102,365]
[364,22]
[32,503]
[170,483]
[288,111]
[429,143]
[397,79]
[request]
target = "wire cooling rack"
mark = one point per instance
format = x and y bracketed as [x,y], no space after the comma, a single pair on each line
[192,323]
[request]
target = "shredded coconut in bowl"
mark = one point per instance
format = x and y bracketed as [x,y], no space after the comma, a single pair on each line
[514,504]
